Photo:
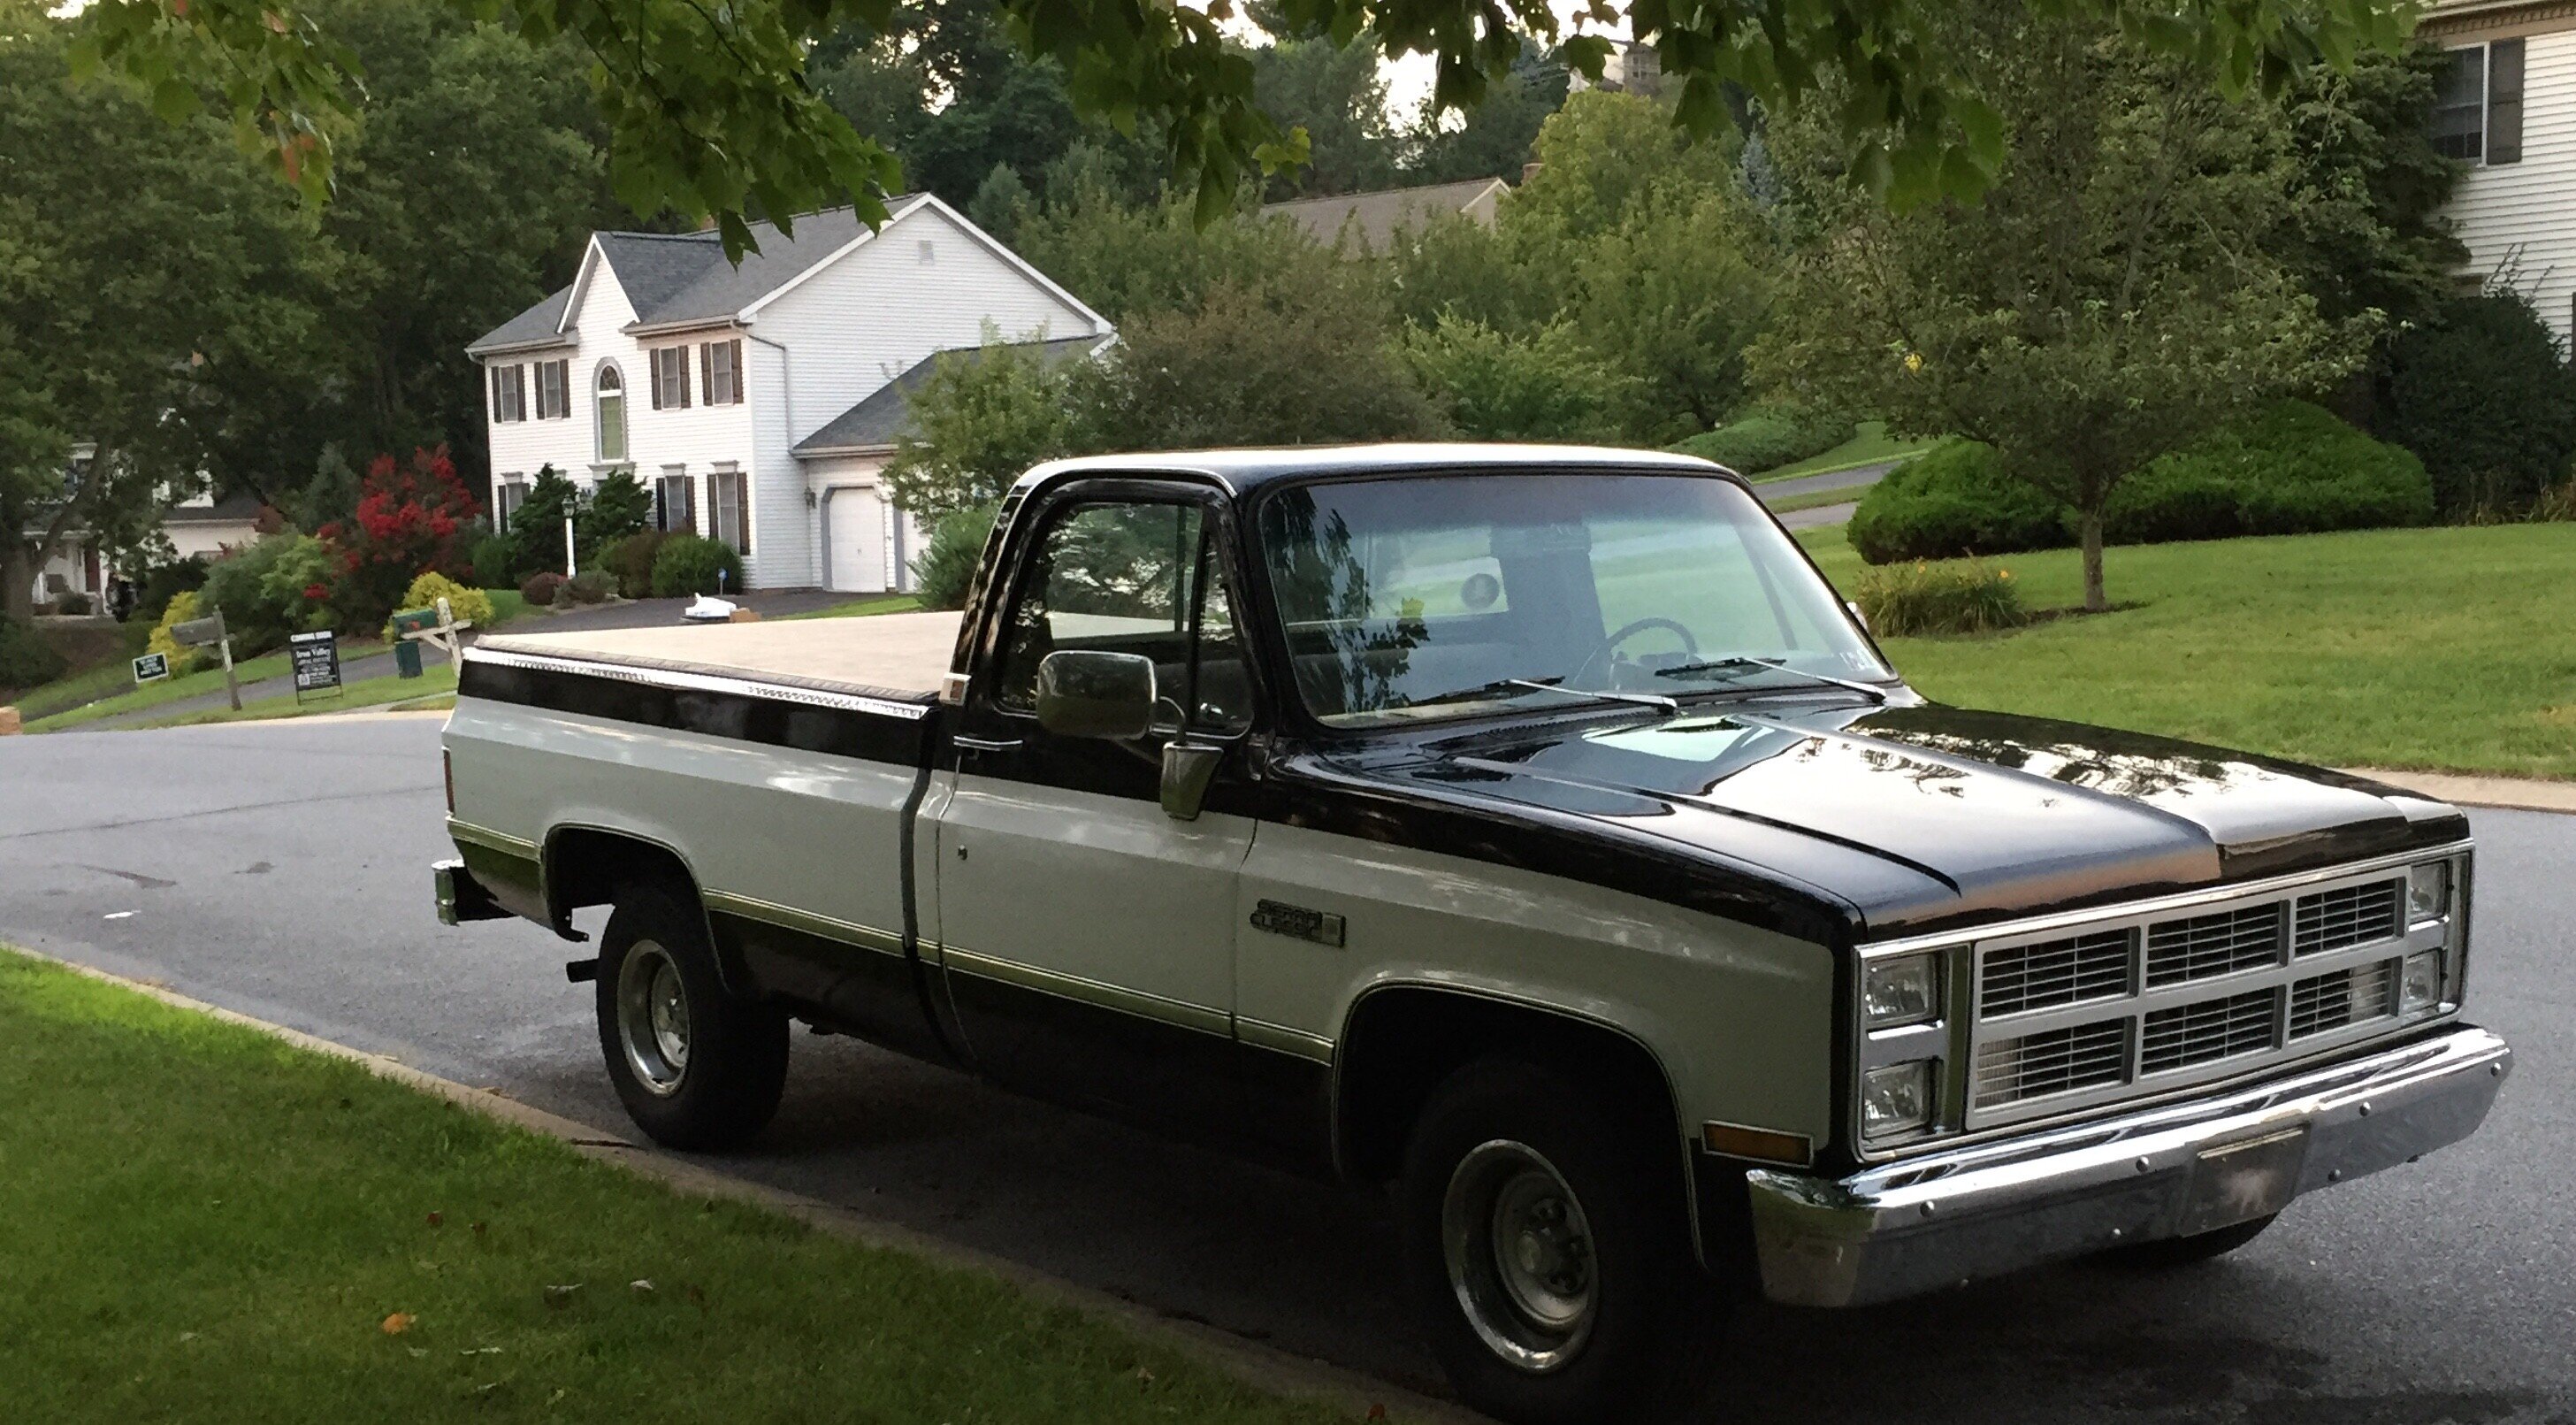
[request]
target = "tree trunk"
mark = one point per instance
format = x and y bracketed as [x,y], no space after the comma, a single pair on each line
[17,580]
[2095,601]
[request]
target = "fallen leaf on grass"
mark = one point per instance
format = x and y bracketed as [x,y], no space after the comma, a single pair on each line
[641,1286]
[698,1297]
[417,1352]
[1144,1376]
[1377,1410]
[480,1351]
[397,1323]
[437,1219]
[559,1297]
[478,1229]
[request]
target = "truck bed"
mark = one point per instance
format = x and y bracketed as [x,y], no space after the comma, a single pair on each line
[901,656]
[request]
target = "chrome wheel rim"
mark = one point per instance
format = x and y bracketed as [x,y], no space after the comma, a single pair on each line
[653,1017]
[1520,1255]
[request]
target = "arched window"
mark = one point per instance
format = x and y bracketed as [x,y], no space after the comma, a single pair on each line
[612,416]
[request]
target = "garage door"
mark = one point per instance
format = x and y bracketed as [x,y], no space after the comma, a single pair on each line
[858,542]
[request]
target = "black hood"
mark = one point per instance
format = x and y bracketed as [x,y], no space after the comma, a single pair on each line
[1899,819]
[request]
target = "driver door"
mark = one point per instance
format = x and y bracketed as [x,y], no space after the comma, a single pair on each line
[1087,936]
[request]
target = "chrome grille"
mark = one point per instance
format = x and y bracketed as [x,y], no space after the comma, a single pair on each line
[2343,997]
[2206,945]
[2348,915]
[2208,1031]
[2055,972]
[2053,1061]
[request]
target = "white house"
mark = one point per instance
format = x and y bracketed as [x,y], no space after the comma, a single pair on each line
[759,402]
[2508,108]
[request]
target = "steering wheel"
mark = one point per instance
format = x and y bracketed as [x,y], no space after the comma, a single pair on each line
[1610,645]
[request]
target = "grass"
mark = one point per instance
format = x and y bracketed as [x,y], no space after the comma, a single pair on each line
[1868,446]
[100,660]
[437,680]
[2432,649]
[208,1225]
[861,607]
[168,690]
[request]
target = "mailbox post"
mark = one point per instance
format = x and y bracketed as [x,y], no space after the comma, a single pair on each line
[201,632]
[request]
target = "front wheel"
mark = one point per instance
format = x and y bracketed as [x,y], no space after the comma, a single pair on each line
[695,1066]
[1545,1243]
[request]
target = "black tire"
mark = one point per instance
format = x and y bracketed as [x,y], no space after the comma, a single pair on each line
[724,1083]
[1648,1333]
[2172,1252]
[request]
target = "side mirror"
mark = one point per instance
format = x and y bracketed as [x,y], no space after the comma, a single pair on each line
[1082,693]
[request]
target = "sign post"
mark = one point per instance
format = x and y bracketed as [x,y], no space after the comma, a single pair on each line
[151,668]
[198,633]
[317,663]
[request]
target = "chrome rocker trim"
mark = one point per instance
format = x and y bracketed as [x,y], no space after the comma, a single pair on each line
[1947,1219]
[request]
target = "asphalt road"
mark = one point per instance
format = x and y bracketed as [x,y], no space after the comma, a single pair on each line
[280,870]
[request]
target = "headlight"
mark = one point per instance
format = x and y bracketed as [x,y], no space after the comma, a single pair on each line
[2428,890]
[2421,989]
[1903,990]
[1896,1099]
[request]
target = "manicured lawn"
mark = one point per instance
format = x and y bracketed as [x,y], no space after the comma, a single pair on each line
[206,1225]
[149,695]
[2433,649]
[437,679]
[1868,446]
[860,607]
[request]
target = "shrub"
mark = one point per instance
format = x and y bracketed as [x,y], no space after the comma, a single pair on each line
[74,603]
[1939,598]
[618,505]
[491,560]
[1953,499]
[277,585]
[26,659]
[631,561]
[1766,439]
[181,608]
[2293,468]
[164,581]
[591,586]
[466,605]
[2484,396]
[694,564]
[946,564]
[1494,385]
[540,588]
[536,527]
[411,519]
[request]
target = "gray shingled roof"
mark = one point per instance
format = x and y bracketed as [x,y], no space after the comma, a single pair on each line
[681,277]
[877,420]
[1378,215]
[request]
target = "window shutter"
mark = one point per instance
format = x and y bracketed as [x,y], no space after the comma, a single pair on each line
[518,393]
[2504,102]
[680,373]
[742,509]
[707,370]
[735,347]
[495,394]
[653,359]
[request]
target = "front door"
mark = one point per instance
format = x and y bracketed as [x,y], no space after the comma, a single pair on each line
[1087,937]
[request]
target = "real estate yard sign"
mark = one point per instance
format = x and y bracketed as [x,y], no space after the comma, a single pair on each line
[151,668]
[317,662]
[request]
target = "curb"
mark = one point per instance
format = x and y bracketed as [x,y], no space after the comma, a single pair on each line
[2509,793]
[1262,1367]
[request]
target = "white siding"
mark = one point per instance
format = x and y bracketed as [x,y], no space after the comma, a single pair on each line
[2527,210]
[783,531]
[209,540]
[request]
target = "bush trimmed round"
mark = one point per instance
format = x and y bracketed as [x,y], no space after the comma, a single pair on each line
[1768,439]
[691,563]
[539,589]
[2292,469]
[1954,500]
[2483,396]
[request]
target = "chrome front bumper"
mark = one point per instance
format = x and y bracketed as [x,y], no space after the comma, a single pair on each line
[1945,1219]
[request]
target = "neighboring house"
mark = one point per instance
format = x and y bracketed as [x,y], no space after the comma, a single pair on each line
[712,383]
[1373,219]
[2507,108]
[202,524]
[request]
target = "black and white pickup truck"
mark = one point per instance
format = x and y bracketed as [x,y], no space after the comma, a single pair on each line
[1529,830]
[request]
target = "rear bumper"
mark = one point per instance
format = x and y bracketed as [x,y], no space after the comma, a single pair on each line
[1938,1221]
[461,897]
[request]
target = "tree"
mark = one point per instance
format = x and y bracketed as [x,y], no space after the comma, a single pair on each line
[2484,396]
[981,419]
[713,111]
[1336,95]
[1544,386]
[1495,139]
[411,519]
[2110,300]
[618,506]
[536,527]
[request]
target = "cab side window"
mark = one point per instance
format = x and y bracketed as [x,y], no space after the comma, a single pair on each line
[1131,577]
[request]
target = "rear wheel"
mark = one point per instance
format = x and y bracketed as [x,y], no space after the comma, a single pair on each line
[2199,1247]
[695,1066]
[1546,1246]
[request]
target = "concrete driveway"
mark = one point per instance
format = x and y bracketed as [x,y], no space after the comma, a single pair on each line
[280,870]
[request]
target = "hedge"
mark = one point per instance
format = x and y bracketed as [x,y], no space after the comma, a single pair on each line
[1768,439]
[2484,396]
[26,659]
[692,564]
[2293,468]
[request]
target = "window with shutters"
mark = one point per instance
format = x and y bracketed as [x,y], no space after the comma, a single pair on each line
[670,377]
[509,393]
[720,372]
[2477,106]
[554,390]
[729,502]
[507,496]
[675,505]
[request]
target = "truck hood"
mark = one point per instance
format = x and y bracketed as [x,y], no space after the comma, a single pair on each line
[1925,817]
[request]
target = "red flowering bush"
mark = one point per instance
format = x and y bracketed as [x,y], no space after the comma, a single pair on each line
[410,520]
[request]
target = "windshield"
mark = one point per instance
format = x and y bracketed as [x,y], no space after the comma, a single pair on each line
[1436,596]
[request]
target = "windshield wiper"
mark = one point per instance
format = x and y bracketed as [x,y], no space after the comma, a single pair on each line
[1773,665]
[1549,685]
